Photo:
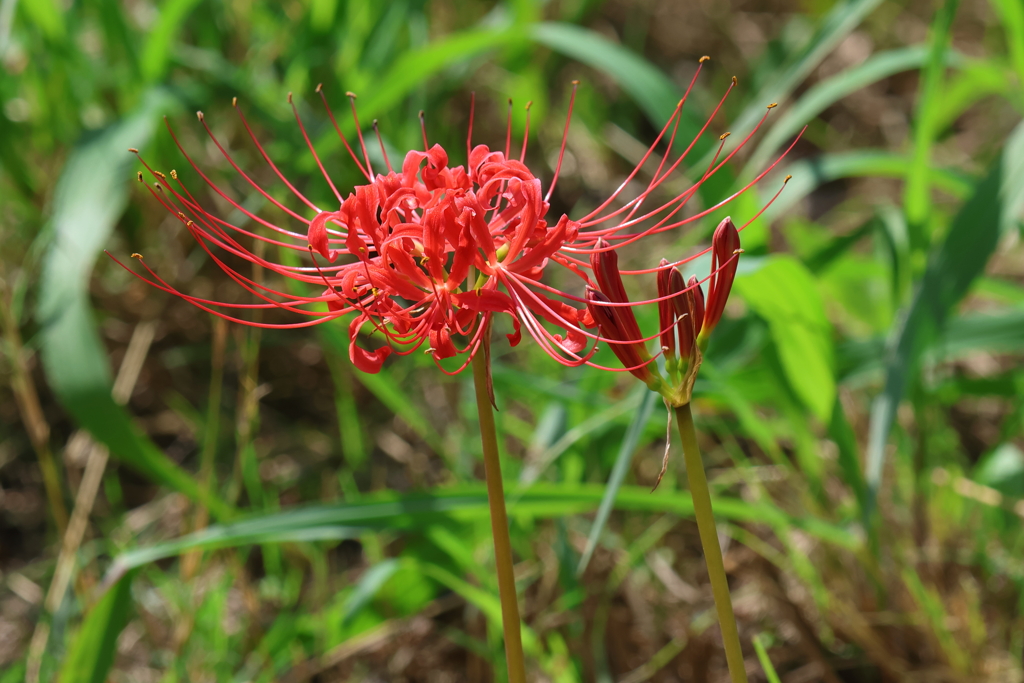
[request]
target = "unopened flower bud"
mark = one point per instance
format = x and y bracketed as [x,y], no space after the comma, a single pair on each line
[725,251]
[613,323]
[609,282]
[666,309]
[690,310]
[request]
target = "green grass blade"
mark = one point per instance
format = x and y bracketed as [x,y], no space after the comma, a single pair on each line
[1011,14]
[952,269]
[765,660]
[598,422]
[92,651]
[618,475]
[48,16]
[485,601]
[156,53]
[384,387]
[460,505]
[413,68]
[91,195]
[367,587]
[937,618]
[838,24]
[826,93]
[976,333]
[972,82]
[652,90]
[810,174]
[917,192]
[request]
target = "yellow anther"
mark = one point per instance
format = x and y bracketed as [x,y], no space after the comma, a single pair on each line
[787,179]
[140,176]
[133,150]
[773,105]
[724,135]
[703,59]
[319,87]
[137,255]
[234,101]
[199,115]
[734,81]
[349,93]
[289,98]
[174,174]
[159,175]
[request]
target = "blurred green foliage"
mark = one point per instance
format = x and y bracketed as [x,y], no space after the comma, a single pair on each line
[861,403]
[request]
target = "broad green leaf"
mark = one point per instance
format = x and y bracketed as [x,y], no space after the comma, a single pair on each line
[952,268]
[785,294]
[91,194]
[92,651]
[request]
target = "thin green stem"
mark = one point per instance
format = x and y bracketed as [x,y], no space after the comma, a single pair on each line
[499,523]
[709,541]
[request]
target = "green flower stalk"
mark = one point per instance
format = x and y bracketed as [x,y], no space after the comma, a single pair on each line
[687,322]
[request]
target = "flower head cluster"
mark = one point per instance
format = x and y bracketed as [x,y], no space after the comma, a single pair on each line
[427,254]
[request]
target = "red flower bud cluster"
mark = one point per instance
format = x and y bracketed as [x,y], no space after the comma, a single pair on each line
[685,320]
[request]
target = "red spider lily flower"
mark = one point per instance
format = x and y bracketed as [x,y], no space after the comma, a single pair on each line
[429,253]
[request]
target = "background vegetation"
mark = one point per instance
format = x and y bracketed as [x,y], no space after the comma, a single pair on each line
[259,511]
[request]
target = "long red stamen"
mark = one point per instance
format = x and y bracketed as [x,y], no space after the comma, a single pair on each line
[312,150]
[384,152]
[526,133]
[359,132]
[565,137]
[508,130]
[469,132]
[337,129]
